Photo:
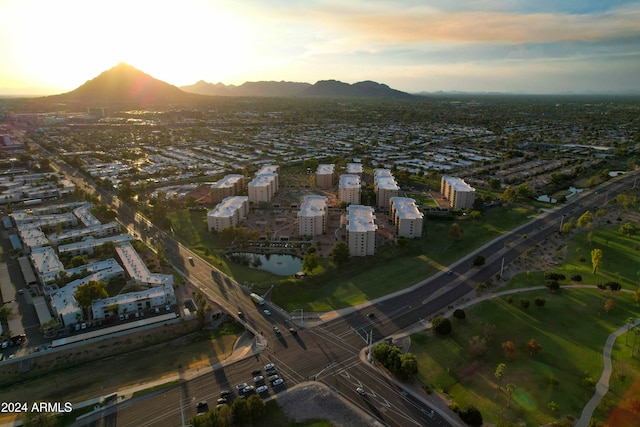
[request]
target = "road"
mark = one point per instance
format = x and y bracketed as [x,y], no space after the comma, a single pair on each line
[330,352]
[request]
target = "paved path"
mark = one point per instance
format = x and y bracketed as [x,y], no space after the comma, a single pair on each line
[603,383]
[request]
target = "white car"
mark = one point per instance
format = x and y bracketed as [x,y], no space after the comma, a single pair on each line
[277,382]
[361,391]
[262,389]
[267,311]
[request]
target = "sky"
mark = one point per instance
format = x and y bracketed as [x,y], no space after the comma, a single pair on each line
[522,46]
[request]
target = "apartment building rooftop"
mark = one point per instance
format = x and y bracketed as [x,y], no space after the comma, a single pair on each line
[360,219]
[228,206]
[406,208]
[349,181]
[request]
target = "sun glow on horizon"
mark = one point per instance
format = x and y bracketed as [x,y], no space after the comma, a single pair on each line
[179,43]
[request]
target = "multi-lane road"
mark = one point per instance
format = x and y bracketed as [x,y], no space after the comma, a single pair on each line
[331,351]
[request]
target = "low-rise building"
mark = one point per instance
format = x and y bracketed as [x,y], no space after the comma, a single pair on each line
[88,245]
[137,269]
[133,302]
[46,263]
[228,213]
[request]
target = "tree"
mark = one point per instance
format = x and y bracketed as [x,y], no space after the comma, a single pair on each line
[90,291]
[509,349]
[596,259]
[540,302]
[629,322]
[455,233]
[609,305]
[471,416]
[5,312]
[626,200]
[409,366]
[510,195]
[523,191]
[499,373]
[475,216]
[441,325]
[627,229]
[477,346]
[533,347]
[459,314]
[510,389]
[478,261]
[240,411]
[340,254]
[257,409]
[310,262]
[585,219]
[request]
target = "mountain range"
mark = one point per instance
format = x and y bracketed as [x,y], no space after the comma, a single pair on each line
[125,84]
[322,88]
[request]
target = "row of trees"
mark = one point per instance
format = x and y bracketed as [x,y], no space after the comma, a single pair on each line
[403,366]
[242,412]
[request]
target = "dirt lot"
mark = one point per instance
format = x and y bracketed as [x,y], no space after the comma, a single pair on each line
[315,401]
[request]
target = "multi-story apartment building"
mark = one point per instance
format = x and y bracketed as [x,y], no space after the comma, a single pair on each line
[324,175]
[263,187]
[362,230]
[385,187]
[407,218]
[355,168]
[228,213]
[230,185]
[458,193]
[349,189]
[312,217]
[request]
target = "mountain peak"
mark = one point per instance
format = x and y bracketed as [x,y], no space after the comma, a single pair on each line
[124,83]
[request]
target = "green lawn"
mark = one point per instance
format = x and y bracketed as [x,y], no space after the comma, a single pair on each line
[572,329]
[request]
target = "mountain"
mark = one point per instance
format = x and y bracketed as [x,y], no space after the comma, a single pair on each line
[124,84]
[264,88]
[366,89]
[322,88]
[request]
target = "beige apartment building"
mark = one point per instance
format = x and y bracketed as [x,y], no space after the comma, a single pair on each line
[312,217]
[228,213]
[458,193]
[385,187]
[362,230]
[349,189]
[407,218]
[230,185]
[324,175]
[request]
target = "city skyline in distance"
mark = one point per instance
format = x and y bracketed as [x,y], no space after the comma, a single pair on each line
[413,46]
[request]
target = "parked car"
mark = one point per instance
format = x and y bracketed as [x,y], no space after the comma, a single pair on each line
[256,372]
[262,389]
[277,382]
[202,408]
[258,379]
[225,393]
[293,331]
[242,386]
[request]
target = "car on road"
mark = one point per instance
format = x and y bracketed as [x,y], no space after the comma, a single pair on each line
[191,260]
[277,382]
[277,330]
[293,331]
[240,314]
[361,391]
[202,408]
[267,311]
[262,389]
[449,273]
[242,386]
[221,400]
[371,315]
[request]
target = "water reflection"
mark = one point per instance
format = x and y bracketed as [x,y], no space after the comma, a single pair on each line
[278,264]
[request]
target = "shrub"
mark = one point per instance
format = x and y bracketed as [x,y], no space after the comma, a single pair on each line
[524,303]
[442,325]
[509,299]
[540,302]
[576,278]
[459,314]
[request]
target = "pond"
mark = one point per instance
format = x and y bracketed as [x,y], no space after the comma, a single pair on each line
[278,264]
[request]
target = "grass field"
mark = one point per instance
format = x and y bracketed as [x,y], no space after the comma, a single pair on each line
[571,328]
